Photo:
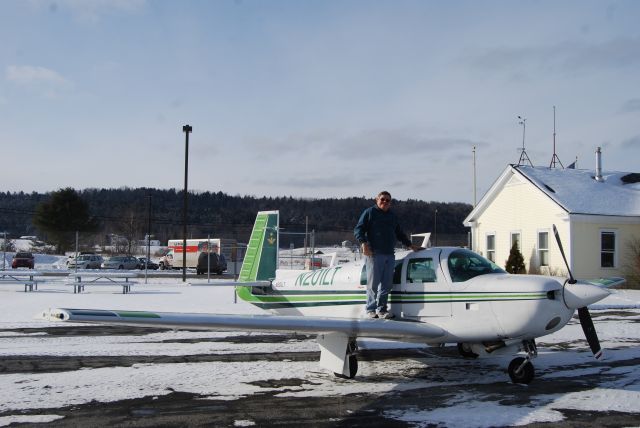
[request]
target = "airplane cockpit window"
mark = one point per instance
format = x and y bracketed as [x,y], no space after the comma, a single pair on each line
[421,270]
[464,265]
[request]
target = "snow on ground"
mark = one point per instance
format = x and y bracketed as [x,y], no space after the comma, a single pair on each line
[562,355]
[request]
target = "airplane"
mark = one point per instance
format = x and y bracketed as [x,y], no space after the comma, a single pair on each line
[441,295]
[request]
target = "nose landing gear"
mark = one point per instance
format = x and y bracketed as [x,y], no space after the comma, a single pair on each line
[520,368]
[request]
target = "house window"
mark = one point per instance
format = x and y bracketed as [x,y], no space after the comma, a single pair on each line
[607,249]
[543,248]
[515,239]
[491,247]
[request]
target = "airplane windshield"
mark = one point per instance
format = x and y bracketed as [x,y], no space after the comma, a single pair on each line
[464,265]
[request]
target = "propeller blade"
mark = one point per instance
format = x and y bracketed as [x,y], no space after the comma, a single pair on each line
[590,332]
[572,280]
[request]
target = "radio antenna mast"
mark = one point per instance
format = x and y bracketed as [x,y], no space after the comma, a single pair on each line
[554,159]
[523,155]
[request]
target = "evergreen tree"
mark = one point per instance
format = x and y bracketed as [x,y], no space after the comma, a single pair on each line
[62,215]
[515,263]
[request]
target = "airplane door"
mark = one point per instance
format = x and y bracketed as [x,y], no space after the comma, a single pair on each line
[424,292]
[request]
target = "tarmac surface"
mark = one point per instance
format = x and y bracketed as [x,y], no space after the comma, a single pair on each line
[441,370]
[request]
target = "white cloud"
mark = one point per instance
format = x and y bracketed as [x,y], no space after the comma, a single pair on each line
[28,75]
[631,105]
[567,56]
[90,11]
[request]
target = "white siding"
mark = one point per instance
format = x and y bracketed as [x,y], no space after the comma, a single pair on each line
[586,239]
[520,206]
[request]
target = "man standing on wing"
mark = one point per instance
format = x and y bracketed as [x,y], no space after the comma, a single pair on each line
[377,232]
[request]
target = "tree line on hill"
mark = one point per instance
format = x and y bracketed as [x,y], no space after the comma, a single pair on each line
[132,214]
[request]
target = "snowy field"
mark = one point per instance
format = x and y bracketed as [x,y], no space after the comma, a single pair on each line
[69,374]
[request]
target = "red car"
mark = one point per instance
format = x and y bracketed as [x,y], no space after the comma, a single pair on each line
[22,259]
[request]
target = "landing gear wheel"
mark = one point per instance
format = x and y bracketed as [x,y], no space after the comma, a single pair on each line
[526,372]
[465,350]
[353,368]
[352,351]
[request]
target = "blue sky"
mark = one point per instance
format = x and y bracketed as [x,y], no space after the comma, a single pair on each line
[312,98]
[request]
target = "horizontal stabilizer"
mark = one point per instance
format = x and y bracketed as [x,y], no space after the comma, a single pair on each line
[353,327]
[234,284]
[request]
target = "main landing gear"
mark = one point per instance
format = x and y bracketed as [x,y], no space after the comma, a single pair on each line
[352,360]
[520,368]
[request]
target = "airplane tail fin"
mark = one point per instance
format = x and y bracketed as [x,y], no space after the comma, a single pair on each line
[261,259]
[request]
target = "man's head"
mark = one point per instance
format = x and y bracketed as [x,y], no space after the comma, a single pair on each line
[383,200]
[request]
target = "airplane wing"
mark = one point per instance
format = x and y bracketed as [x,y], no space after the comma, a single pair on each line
[352,327]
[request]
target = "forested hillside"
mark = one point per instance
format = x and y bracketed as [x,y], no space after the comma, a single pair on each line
[125,212]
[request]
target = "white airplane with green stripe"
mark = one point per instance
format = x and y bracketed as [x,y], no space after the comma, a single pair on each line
[441,295]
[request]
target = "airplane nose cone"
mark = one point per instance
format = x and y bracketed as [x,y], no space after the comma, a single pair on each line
[579,295]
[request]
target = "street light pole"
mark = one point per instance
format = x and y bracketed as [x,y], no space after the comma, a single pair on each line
[186,129]
[4,247]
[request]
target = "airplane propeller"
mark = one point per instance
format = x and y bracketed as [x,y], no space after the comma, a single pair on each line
[583,312]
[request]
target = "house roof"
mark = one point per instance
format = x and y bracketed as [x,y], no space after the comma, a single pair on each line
[574,190]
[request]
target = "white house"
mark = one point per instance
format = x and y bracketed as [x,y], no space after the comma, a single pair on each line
[597,215]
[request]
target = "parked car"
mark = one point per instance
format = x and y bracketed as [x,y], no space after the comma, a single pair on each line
[121,262]
[81,253]
[166,261]
[22,259]
[216,263]
[85,261]
[150,264]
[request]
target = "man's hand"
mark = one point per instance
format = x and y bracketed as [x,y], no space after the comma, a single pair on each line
[366,249]
[415,247]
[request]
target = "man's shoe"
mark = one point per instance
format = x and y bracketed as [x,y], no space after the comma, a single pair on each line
[385,315]
[372,314]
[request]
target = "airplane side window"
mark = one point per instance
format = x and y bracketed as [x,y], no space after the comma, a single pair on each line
[397,272]
[420,271]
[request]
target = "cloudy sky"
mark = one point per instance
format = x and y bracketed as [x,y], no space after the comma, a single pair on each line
[312,98]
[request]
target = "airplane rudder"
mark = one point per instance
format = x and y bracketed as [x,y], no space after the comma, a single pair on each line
[259,262]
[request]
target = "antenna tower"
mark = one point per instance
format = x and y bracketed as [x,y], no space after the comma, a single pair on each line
[554,159]
[523,156]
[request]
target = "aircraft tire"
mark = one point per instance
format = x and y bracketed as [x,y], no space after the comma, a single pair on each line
[353,368]
[465,350]
[526,374]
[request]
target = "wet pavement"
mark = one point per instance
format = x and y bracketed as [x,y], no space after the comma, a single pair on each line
[423,379]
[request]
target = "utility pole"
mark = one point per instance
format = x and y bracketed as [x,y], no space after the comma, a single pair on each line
[474,176]
[146,265]
[435,228]
[186,129]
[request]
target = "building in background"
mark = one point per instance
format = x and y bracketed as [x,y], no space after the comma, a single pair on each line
[597,215]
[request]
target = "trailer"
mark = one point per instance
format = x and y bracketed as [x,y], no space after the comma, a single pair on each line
[173,259]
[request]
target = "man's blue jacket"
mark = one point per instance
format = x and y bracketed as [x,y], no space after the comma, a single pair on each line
[380,230]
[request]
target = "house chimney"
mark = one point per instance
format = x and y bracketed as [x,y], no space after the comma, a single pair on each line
[599,165]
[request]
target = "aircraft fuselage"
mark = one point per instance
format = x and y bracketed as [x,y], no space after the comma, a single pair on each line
[486,307]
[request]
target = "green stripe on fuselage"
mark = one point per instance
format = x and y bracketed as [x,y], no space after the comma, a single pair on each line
[298,298]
